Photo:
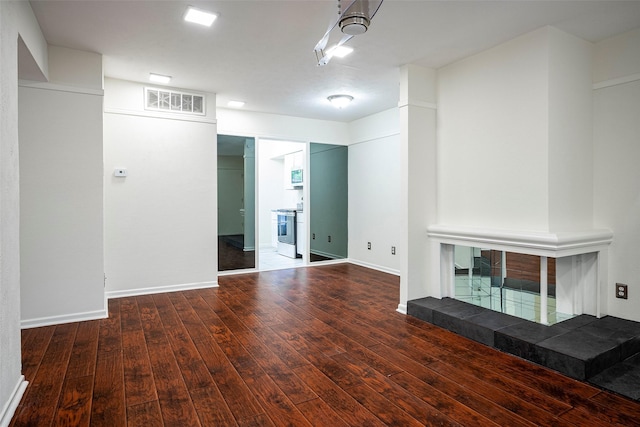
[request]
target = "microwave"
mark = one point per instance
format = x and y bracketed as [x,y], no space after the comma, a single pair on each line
[296,177]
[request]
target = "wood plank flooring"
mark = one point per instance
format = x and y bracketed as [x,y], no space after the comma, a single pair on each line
[318,346]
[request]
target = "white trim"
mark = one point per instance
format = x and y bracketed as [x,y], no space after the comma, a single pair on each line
[64,318]
[327,262]
[375,267]
[161,289]
[535,243]
[615,82]
[246,271]
[326,254]
[414,103]
[375,138]
[160,115]
[59,87]
[402,309]
[12,404]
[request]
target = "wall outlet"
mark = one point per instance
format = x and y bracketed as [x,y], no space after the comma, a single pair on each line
[369,245]
[622,291]
[313,236]
[329,239]
[393,250]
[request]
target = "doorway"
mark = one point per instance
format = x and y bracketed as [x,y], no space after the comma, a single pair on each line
[236,203]
[282,174]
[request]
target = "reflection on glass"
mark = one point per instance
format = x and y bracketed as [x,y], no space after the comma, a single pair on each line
[236,202]
[507,282]
[328,193]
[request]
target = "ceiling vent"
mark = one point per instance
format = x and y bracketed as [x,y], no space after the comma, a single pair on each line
[173,102]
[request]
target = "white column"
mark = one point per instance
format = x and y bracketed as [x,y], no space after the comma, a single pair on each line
[420,265]
[543,291]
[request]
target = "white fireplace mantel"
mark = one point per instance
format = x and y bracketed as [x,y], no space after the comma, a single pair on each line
[581,268]
[549,244]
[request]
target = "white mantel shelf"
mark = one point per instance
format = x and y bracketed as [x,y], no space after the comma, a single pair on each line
[581,260]
[554,245]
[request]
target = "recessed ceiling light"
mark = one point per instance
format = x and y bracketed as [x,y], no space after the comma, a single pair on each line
[235,104]
[340,101]
[199,16]
[159,78]
[339,51]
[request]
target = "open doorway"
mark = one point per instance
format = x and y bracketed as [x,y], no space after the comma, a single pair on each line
[282,228]
[236,203]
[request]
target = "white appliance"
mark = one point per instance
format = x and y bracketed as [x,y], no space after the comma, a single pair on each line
[287,232]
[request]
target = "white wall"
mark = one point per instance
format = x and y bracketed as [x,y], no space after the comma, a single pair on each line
[61,206]
[492,137]
[32,47]
[161,220]
[374,191]
[616,154]
[16,19]
[570,133]
[75,68]
[287,128]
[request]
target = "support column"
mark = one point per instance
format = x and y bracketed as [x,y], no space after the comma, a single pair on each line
[543,291]
[420,267]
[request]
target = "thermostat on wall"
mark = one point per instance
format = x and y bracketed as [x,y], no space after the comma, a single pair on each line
[120,172]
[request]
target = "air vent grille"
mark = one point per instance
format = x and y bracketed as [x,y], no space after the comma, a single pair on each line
[173,101]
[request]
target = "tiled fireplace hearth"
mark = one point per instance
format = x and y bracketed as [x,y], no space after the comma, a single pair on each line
[590,346]
[581,262]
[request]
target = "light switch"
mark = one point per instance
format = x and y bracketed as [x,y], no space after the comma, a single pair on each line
[120,172]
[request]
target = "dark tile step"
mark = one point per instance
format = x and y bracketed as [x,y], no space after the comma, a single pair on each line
[581,347]
[622,378]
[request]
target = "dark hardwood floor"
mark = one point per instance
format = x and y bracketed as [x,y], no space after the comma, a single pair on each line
[317,346]
[232,257]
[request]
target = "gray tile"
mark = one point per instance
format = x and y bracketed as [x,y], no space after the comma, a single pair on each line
[520,339]
[577,354]
[623,378]
[576,322]
[579,344]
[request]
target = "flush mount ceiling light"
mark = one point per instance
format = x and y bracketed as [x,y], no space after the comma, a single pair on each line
[235,104]
[159,78]
[339,51]
[199,16]
[340,101]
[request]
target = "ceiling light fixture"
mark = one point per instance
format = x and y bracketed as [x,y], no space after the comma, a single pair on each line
[339,51]
[235,104]
[340,101]
[159,78]
[199,16]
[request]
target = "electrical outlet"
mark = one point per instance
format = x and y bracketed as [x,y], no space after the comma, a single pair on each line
[622,291]
[369,245]
[313,236]
[329,239]
[393,250]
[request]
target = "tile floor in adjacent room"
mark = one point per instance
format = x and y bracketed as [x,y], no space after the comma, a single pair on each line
[270,259]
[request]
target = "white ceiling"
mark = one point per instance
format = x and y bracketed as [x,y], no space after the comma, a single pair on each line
[261,51]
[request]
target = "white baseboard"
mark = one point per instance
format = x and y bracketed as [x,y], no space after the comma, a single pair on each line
[402,308]
[326,254]
[64,318]
[10,407]
[375,267]
[160,289]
